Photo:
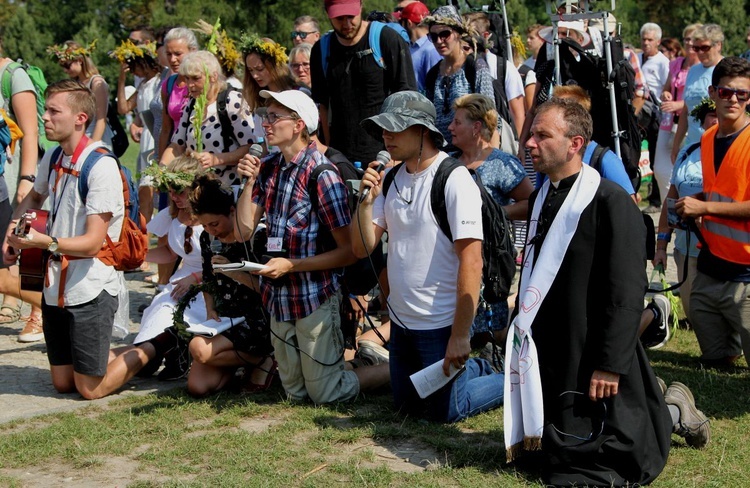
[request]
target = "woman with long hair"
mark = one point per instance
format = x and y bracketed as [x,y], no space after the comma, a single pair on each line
[76,61]
[142,62]
[474,123]
[231,294]
[266,68]
[181,229]
[446,31]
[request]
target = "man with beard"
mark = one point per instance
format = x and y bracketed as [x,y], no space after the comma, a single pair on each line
[579,385]
[353,84]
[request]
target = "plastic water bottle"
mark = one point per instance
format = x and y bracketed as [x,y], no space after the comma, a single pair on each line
[358,167]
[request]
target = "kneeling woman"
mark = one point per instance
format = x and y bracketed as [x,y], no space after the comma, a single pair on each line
[228,294]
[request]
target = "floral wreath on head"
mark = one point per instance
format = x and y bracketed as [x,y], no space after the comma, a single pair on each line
[253,43]
[220,44]
[128,51]
[164,179]
[64,52]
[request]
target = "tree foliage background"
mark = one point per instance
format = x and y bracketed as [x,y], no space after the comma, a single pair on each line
[28,27]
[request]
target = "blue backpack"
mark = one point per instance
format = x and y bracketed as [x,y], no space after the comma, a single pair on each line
[374,40]
[133,205]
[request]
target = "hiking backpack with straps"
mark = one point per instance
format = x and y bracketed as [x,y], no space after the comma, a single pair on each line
[590,72]
[227,132]
[40,86]
[129,252]
[360,277]
[373,38]
[498,252]
[470,71]
[10,133]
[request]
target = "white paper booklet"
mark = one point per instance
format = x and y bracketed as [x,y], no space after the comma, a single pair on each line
[243,266]
[431,379]
[211,328]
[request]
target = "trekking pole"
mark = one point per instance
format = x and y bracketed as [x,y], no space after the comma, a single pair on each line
[508,44]
[616,133]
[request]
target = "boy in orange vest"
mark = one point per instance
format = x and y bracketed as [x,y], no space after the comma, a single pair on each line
[719,304]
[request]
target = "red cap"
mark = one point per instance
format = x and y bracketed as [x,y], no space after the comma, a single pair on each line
[415,11]
[339,8]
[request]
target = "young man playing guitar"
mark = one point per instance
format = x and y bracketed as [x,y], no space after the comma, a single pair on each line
[79,298]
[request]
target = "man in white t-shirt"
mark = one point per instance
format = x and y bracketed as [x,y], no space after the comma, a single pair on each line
[434,282]
[80,291]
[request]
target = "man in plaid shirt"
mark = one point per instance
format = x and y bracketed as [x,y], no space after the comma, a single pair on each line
[300,287]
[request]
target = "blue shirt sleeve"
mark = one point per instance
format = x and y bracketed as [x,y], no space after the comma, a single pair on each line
[612,168]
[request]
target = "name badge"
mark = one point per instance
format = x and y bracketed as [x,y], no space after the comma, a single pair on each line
[274,244]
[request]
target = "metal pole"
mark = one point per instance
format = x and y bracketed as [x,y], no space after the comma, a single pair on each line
[611,85]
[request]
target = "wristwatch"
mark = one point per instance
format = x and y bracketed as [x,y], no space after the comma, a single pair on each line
[52,246]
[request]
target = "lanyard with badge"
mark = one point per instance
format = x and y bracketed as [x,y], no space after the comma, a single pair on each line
[277,220]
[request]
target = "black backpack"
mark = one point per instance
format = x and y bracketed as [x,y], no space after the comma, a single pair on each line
[498,252]
[360,277]
[470,71]
[227,132]
[120,141]
[590,72]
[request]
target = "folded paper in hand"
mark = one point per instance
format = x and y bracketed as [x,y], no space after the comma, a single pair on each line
[243,266]
[211,328]
[430,379]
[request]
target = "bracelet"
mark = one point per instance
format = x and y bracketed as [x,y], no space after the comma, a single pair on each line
[664,236]
[30,178]
[197,277]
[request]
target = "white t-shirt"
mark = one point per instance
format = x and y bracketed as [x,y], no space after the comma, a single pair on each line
[86,278]
[422,262]
[513,81]
[655,72]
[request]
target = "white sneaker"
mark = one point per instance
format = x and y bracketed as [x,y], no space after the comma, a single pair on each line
[372,353]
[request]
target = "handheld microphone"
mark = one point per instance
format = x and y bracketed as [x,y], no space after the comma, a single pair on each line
[382,158]
[255,150]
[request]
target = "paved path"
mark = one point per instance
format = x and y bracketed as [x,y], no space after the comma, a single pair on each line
[26,389]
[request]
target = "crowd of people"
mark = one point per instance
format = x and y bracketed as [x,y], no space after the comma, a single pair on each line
[234,164]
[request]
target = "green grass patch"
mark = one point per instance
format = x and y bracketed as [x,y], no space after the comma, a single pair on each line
[170,439]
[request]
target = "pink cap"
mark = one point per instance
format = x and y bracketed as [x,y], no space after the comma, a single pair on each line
[339,8]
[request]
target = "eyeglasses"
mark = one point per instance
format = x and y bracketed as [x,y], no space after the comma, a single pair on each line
[446,85]
[188,245]
[442,35]
[599,417]
[301,66]
[701,49]
[726,93]
[271,117]
[302,35]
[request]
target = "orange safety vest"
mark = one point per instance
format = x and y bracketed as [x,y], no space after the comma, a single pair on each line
[728,239]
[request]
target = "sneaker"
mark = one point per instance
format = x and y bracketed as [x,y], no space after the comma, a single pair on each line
[658,333]
[371,353]
[32,331]
[693,424]
[663,386]
[492,353]
[177,362]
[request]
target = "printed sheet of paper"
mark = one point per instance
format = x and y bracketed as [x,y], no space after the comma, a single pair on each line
[431,379]
[211,328]
[243,266]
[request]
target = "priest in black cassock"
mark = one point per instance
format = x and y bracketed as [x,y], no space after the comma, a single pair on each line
[573,346]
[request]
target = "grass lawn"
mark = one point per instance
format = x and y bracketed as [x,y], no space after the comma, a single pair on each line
[262,440]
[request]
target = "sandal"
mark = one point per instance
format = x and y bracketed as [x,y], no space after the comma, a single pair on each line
[250,387]
[9,314]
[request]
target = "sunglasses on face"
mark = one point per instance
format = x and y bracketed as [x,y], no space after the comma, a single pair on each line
[188,244]
[442,35]
[726,93]
[302,35]
[701,49]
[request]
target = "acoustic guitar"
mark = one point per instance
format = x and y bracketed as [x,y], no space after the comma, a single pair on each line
[33,261]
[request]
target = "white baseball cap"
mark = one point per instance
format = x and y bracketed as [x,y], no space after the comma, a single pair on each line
[297,101]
